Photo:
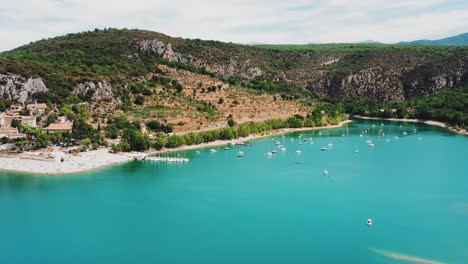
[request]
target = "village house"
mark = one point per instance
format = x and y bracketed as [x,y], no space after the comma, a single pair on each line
[15,109]
[10,132]
[59,127]
[5,120]
[36,109]
[2,119]
[28,120]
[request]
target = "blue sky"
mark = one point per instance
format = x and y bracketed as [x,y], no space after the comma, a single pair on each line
[241,21]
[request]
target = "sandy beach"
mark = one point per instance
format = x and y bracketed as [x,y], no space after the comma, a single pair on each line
[49,162]
[427,122]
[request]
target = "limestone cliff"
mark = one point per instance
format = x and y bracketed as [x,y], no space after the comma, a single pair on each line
[96,92]
[19,88]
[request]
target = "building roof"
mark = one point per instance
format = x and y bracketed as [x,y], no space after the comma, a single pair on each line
[12,116]
[36,106]
[60,126]
[9,130]
[27,118]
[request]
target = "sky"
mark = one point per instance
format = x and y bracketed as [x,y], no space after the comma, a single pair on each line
[239,21]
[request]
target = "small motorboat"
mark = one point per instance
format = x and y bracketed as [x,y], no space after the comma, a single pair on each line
[298,151]
[198,152]
[240,154]
[269,154]
[227,148]
[213,150]
[419,139]
[369,222]
[371,145]
[325,172]
[283,149]
[395,137]
[356,151]
[324,149]
[274,152]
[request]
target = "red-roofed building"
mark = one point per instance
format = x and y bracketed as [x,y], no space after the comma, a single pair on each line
[59,127]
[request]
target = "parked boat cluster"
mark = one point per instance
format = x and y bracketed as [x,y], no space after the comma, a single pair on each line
[166,159]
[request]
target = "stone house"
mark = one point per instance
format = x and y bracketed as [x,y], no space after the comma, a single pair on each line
[10,132]
[59,127]
[36,109]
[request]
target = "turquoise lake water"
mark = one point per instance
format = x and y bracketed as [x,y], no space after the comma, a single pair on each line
[257,209]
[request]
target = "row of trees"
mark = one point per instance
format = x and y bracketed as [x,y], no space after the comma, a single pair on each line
[133,139]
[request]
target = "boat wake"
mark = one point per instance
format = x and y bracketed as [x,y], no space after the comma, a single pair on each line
[407,258]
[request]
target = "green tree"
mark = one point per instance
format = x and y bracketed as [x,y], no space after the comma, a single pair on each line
[82,130]
[231,122]
[136,140]
[41,141]
[154,125]
[175,141]
[52,118]
[139,100]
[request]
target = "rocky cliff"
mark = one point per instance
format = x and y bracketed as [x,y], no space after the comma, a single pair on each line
[19,88]
[227,68]
[393,81]
[96,92]
[384,74]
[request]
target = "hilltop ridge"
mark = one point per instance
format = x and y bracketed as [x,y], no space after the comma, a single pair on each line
[371,71]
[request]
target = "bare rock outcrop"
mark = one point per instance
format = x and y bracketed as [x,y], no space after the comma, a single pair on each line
[96,92]
[227,69]
[19,88]
[163,50]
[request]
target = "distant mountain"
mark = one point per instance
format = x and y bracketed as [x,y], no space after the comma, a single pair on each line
[458,40]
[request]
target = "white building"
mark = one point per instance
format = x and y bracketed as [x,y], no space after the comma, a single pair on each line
[28,120]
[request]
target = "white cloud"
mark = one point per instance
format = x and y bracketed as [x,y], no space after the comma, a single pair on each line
[268,21]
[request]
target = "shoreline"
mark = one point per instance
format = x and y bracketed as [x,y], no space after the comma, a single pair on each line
[218,143]
[35,163]
[427,122]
